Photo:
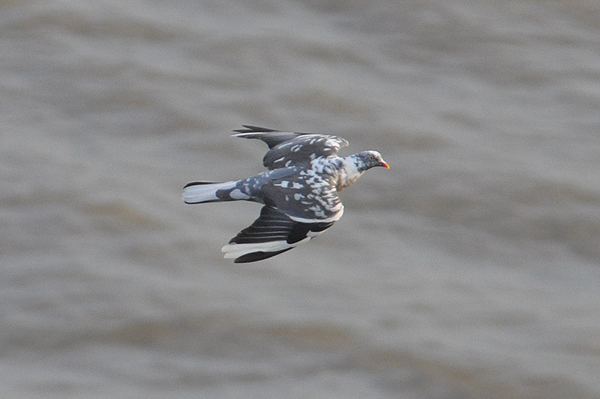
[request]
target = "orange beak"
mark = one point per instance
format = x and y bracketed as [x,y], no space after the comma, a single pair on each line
[385,164]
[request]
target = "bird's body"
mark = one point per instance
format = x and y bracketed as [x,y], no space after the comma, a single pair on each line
[299,191]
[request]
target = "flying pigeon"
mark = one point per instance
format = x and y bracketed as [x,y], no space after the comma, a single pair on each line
[299,190]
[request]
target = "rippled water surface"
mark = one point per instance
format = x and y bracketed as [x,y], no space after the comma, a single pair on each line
[470,269]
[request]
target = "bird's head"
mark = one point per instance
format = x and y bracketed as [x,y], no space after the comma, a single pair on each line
[369,159]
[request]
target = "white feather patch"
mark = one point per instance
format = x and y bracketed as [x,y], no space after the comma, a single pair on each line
[334,218]
[237,250]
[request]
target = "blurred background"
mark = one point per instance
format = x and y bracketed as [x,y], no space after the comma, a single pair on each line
[470,269]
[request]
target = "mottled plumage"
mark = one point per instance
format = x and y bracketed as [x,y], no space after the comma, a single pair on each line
[299,190]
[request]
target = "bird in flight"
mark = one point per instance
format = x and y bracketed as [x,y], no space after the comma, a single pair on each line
[299,190]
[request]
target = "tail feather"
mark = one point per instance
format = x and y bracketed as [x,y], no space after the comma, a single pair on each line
[200,192]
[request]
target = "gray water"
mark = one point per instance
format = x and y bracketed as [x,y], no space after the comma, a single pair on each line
[470,269]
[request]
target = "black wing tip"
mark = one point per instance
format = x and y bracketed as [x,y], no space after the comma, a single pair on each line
[260,255]
[255,129]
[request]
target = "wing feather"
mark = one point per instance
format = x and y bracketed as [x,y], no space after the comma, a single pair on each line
[292,148]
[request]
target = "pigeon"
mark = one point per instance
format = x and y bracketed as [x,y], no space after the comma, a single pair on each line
[299,190]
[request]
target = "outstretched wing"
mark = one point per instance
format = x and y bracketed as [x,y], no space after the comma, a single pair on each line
[271,234]
[291,148]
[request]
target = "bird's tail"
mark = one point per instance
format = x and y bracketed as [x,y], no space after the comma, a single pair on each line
[200,192]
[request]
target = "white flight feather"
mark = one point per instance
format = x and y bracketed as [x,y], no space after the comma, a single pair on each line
[237,250]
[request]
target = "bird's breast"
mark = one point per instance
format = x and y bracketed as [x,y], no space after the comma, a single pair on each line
[347,175]
[344,181]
